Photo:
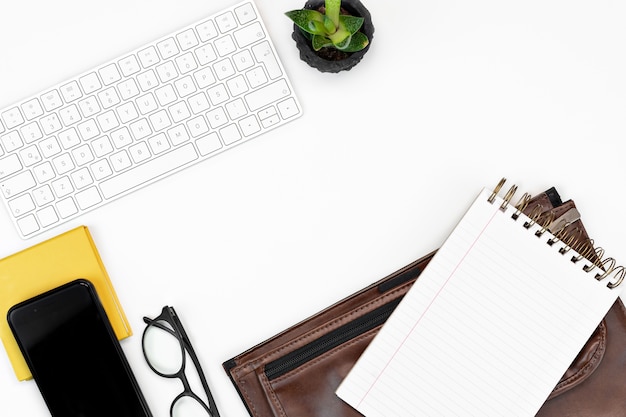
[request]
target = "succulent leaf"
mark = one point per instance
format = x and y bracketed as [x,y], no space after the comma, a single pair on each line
[303,17]
[351,23]
[320,42]
[338,37]
[329,26]
[316,28]
[344,44]
[333,7]
[358,41]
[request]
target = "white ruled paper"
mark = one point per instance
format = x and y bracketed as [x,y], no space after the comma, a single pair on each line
[487,330]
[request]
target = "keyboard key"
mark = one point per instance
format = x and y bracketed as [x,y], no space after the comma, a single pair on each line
[208,144]
[148,171]
[17,184]
[207,31]
[160,120]
[217,117]
[185,86]
[263,53]
[88,198]
[256,77]
[197,126]
[69,115]
[90,83]
[27,225]
[187,39]
[267,95]
[230,134]
[158,144]
[81,178]
[71,91]
[245,13]
[107,121]
[249,34]
[139,152]
[9,165]
[30,156]
[223,69]
[102,146]
[11,141]
[167,71]
[62,187]
[149,57]
[12,118]
[31,132]
[109,98]
[51,124]
[249,125]
[243,60]
[32,109]
[121,161]
[47,216]
[44,172]
[110,74]
[226,22]
[237,85]
[128,89]
[101,169]
[51,100]
[129,65]
[206,54]
[236,109]
[121,137]
[199,103]
[67,207]
[288,108]
[204,77]
[82,155]
[22,204]
[147,103]
[167,48]
[89,106]
[63,163]
[165,95]
[178,135]
[179,111]
[88,130]
[43,195]
[225,45]
[127,112]
[186,63]
[147,80]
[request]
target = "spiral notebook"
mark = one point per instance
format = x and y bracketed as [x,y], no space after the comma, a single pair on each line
[492,323]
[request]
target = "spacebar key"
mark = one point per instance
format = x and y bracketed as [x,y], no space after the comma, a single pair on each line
[148,171]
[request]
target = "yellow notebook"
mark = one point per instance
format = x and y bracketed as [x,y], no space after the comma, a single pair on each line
[48,265]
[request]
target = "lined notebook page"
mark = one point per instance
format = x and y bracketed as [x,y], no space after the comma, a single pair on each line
[487,330]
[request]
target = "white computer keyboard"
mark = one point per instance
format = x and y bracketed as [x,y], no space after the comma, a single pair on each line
[174,102]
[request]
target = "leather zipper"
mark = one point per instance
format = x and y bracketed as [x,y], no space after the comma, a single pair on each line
[330,341]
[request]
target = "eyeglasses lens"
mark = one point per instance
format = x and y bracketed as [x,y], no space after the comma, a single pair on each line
[187,406]
[163,349]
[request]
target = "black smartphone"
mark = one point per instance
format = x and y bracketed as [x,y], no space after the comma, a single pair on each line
[74,356]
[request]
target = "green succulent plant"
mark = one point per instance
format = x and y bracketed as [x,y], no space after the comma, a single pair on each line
[331,29]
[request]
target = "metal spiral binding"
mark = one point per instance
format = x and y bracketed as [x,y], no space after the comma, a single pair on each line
[585,249]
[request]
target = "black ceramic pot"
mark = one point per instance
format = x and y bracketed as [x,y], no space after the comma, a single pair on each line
[328,59]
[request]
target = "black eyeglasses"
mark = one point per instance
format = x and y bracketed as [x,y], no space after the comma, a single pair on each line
[164,345]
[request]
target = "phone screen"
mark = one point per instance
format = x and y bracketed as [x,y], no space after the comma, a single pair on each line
[74,356]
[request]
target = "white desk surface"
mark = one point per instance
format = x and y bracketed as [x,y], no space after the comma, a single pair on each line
[452,96]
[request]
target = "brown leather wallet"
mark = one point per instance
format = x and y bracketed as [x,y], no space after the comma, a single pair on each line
[296,372]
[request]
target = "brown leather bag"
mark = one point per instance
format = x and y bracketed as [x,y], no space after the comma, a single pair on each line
[296,373]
